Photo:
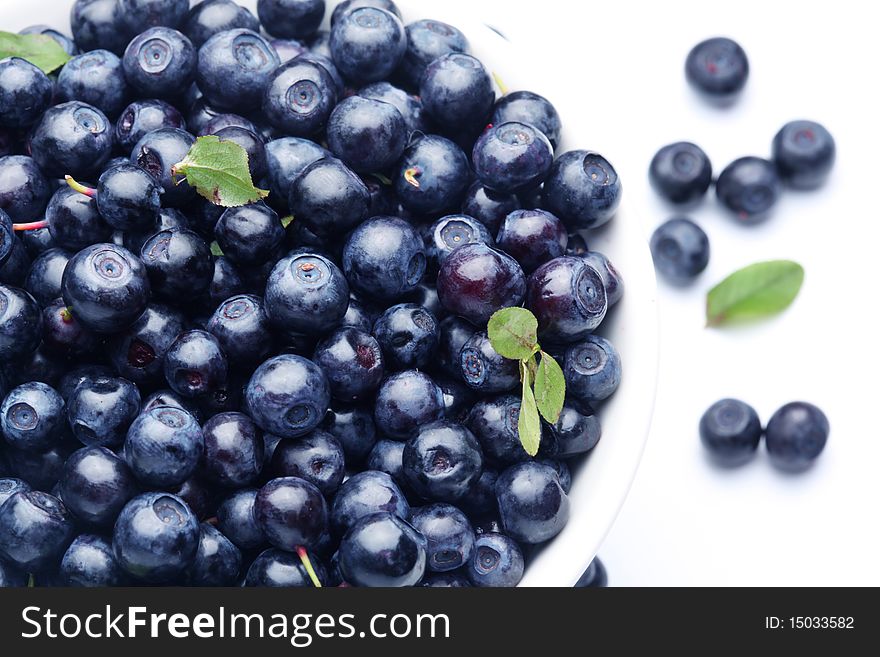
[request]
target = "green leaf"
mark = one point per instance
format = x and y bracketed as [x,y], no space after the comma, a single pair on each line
[42,51]
[216,250]
[529,424]
[513,333]
[753,292]
[286,221]
[549,388]
[219,171]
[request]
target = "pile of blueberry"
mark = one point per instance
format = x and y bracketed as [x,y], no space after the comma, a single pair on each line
[301,389]
[803,154]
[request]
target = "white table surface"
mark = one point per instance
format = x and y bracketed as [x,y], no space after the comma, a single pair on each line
[620,68]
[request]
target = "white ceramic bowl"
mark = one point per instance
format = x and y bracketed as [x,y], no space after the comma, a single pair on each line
[601,483]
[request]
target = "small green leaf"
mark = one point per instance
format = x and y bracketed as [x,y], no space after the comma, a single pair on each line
[753,292]
[216,250]
[529,424]
[31,583]
[286,221]
[42,51]
[549,388]
[513,333]
[219,171]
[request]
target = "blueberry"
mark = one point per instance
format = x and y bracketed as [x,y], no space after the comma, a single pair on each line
[592,369]
[159,62]
[749,187]
[483,369]
[796,435]
[156,153]
[277,568]
[531,501]
[97,78]
[496,561]
[253,145]
[495,421]
[288,157]
[730,430]
[241,326]
[611,278]
[98,24]
[217,561]
[680,249]
[79,373]
[407,401]
[35,241]
[233,453]
[488,206]
[288,396]
[32,416]
[368,135]
[426,40]
[138,352]
[387,456]
[139,15]
[74,220]
[568,297]
[106,287]
[456,90]
[562,471]
[329,198]
[235,518]
[718,68]
[128,197]
[354,428]
[804,153]
[595,576]
[442,461]
[100,410]
[409,106]
[24,190]
[347,6]
[408,335]
[9,486]
[476,280]
[219,122]
[367,44]
[72,138]
[35,529]
[95,485]
[291,19]
[63,336]
[306,293]
[449,535]
[89,562]
[234,69]
[299,97]
[316,458]
[532,109]
[328,65]
[384,258]
[366,493]
[144,116]
[382,550]
[212,16]
[450,232]
[195,364]
[576,431]
[512,157]
[291,512]
[433,176]
[532,237]
[248,234]
[226,282]
[681,172]
[353,363]
[20,323]
[358,315]
[582,189]
[25,93]
[15,268]
[156,537]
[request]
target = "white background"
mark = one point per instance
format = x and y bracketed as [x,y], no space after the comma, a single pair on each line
[617,67]
[620,70]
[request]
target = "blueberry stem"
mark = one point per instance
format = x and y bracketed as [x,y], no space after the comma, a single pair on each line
[307,563]
[411,176]
[501,86]
[79,187]
[33,225]
[67,315]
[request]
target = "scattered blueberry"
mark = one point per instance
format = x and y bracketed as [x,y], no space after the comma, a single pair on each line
[718,68]
[749,187]
[804,153]
[730,430]
[681,172]
[796,435]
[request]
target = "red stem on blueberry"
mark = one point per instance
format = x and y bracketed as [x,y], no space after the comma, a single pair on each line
[79,187]
[33,225]
[307,563]
[411,176]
